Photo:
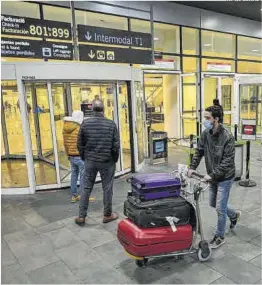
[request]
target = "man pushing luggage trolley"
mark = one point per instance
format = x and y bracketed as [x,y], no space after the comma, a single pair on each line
[218,147]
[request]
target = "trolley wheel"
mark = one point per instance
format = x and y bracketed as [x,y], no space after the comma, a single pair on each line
[142,262]
[204,251]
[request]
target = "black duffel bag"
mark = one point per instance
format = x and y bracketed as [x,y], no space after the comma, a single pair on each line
[150,214]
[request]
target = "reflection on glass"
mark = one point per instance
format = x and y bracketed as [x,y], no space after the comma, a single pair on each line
[189,125]
[210,91]
[2,144]
[140,122]
[60,111]
[166,38]
[13,167]
[218,44]
[38,109]
[249,48]
[87,92]
[101,20]
[250,103]
[31,114]
[154,101]
[227,93]
[124,124]
[11,108]
[190,41]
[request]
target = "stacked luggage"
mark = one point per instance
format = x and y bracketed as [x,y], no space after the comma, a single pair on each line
[158,220]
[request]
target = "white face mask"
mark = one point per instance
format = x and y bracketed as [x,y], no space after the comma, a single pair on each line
[208,124]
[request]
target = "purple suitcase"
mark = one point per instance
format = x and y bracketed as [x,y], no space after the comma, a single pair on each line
[153,186]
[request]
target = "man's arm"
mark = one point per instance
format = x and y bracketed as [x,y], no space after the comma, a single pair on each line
[81,142]
[116,144]
[227,161]
[199,152]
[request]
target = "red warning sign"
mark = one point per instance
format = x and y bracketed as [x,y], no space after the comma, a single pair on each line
[248,129]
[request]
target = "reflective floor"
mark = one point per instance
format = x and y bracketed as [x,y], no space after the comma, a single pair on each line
[14,171]
[42,245]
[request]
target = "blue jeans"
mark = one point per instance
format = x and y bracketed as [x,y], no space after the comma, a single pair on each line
[77,167]
[218,198]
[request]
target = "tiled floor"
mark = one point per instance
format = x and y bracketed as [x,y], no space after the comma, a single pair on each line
[42,245]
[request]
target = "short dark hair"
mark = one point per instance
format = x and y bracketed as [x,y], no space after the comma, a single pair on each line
[215,112]
[216,102]
[98,106]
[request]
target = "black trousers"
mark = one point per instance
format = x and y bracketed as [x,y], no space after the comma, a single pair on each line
[107,173]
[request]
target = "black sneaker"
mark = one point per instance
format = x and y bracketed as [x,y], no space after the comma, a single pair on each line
[233,222]
[217,241]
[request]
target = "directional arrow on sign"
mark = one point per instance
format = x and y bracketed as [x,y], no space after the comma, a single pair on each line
[88,36]
[91,54]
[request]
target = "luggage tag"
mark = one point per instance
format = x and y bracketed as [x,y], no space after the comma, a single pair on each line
[172,221]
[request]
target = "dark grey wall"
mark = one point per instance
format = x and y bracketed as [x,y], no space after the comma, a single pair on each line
[173,13]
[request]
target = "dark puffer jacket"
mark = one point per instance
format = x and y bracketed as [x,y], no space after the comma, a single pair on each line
[98,140]
[219,152]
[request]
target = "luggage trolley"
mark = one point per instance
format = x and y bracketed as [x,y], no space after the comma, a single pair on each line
[191,190]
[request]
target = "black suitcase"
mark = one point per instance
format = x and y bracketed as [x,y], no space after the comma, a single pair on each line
[150,214]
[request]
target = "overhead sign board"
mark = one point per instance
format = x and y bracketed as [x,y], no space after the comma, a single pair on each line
[97,35]
[249,129]
[114,55]
[29,27]
[22,48]
[218,66]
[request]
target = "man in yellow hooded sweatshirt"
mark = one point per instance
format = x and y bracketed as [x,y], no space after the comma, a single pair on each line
[70,134]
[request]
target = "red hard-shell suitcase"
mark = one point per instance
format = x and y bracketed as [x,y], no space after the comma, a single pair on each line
[142,242]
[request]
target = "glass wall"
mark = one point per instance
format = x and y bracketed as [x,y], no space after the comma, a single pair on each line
[190,39]
[13,161]
[249,48]
[101,20]
[166,38]
[218,44]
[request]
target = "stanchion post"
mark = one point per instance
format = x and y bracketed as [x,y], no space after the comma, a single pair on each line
[198,131]
[191,138]
[247,182]
[235,132]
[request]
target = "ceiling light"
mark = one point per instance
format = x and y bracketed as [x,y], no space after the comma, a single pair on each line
[255,50]
[207,45]
[156,39]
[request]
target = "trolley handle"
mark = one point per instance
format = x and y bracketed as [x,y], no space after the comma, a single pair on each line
[197,175]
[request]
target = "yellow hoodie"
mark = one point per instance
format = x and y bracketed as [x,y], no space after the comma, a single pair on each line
[70,133]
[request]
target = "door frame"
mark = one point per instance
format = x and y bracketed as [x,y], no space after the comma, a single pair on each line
[245,79]
[219,77]
[164,72]
[181,98]
[60,72]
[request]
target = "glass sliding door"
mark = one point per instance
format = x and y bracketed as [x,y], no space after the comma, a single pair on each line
[189,104]
[250,99]
[87,92]
[124,126]
[139,124]
[38,108]
[60,105]
[221,87]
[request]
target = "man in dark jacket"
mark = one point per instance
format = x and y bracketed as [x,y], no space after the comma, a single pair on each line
[218,147]
[98,145]
[216,103]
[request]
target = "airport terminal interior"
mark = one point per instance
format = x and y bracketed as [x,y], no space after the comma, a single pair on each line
[198,51]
